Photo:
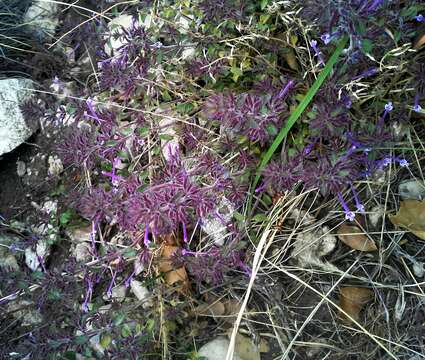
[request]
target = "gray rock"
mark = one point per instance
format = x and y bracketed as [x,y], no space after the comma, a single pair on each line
[13,129]
[42,18]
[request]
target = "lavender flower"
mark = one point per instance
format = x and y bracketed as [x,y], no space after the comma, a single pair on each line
[317,52]
[327,38]
[420,18]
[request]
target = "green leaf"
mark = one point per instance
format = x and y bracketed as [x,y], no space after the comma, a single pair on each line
[54,295]
[166,137]
[129,253]
[260,217]
[119,318]
[80,340]
[65,217]
[367,46]
[125,331]
[70,355]
[296,114]
[236,73]
[238,216]
[263,4]
[105,340]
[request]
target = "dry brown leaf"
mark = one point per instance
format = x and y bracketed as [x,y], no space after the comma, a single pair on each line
[291,59]
[419,41]
[355,238]
[172,275]
[352,300]
[217,308]
[411,216]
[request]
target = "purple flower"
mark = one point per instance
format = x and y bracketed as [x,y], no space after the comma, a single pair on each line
[403,162]
[420,18]
[327,38]
[349,215]
[389,106]
[317,52]
[146,237]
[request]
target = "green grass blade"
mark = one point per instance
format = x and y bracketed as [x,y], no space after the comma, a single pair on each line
[297,113]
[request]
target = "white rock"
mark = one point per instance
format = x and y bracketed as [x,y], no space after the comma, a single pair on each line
[375,215]
[55,165]
[311,246]
[216,225]
[118,293]
[141,293]
[13,129]
[34,255]
[50,207]
[42,17]
[418,269]
[115,26]
[167,126]
[217,350]
[82,252]
[412,189]
[25,311]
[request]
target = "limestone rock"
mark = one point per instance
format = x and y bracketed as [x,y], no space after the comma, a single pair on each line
[13,129]
[42,18]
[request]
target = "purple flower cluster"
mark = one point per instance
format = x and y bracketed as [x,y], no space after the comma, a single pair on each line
[211,265]
[338,152]
[127,68]
[258,117]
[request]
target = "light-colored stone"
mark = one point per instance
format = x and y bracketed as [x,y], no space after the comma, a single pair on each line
[216,350]
[13,129]
[25,311]
[311,246]
[21,168]
[42,18]
[412,189]
[37,253]
[55,165]
[215,225]
[8,261]
[115,27]
[141,293]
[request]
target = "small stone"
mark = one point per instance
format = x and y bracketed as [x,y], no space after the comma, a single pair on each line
[82,252]
[412,189]
[55,166]
[418,269]
[34,256]
[79,235]
[20,168]
[118,293]
[215,225]
[142,293]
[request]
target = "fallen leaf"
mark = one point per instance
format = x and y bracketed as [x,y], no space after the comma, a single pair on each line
[352,300]
[419,41]
[217,308]
[411,216]
[172,275]
[355,238]
[291,59]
